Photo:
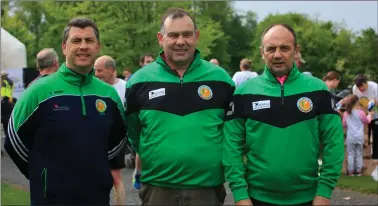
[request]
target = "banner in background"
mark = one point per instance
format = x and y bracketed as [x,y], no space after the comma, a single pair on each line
[17,76]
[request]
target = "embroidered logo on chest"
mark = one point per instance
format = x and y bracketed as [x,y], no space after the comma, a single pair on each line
[205,92]
[304,104]
[100,106]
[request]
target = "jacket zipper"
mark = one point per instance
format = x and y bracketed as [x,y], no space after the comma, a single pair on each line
[83,107]
[282,94]
[282,90]
[44,181]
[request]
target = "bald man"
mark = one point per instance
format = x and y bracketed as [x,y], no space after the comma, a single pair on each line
[214,61]
[47,63]
[105,69]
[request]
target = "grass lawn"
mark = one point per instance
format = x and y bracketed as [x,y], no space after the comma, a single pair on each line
[12,195]
[364,184]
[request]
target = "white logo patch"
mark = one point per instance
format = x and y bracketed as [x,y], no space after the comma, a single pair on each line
[265,104]
[156,93]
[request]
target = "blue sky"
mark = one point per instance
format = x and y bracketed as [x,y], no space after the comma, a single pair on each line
[356,15]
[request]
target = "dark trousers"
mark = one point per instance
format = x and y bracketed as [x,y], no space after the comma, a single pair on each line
[152,195]
[373,127]
[258,203]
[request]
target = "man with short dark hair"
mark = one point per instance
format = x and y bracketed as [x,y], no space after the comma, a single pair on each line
[367,91]
[67,129]
[47,63]
[175,110]
[282,117]
[145,59]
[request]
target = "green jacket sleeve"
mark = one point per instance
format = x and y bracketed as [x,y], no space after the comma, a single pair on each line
[233,146]
[332,141]
[21,129]
[132,117]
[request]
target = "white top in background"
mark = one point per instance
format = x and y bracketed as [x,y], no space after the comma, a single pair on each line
[242,76]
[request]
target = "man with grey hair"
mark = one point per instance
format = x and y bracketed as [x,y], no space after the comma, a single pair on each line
[105,70]
[47,63]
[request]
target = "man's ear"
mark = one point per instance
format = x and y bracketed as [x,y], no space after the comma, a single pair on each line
[64,48]
[262,52]
[160,38]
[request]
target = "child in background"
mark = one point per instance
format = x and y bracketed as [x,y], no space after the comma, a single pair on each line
[354,119]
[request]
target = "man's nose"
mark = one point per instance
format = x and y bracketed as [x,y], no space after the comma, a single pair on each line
[180,40]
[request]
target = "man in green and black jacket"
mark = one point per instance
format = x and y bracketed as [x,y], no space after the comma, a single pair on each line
[67,129]
[175,113]
[283,117]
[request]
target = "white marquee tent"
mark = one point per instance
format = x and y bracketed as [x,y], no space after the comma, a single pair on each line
[13,52]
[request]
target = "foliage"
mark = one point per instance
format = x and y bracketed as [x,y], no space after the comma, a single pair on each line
[128,29]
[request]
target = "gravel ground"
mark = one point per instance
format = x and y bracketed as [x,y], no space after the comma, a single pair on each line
[10,174]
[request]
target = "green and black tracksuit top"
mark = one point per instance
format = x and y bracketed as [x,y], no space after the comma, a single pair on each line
[283,127]
[64,134]
[175,124]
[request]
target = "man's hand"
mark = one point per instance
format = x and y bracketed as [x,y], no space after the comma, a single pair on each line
[318,200]
[244,202]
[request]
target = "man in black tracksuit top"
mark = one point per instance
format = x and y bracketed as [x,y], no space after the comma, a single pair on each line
[67,129]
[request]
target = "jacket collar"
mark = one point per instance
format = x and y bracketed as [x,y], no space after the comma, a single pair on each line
[195,63]
[293,74]
[73,77]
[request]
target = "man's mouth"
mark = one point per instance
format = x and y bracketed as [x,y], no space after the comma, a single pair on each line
[83,55]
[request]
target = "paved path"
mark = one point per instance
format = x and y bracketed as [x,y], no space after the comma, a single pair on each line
[10,174]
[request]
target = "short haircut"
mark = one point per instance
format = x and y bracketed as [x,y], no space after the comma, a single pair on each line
[175,13]
[286,26]
[46,58]
[141,59]
[331,76]
[80,23]
[360,80]
[110,63]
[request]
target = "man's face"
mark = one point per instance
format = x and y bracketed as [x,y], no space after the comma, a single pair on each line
[363,87]
[147,60]
[179,40]
[126,74]
[103,73]
[278,50]
[81,49]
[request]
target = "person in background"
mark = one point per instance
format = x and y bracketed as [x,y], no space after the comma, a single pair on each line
[367,91]
[67,129]
[332,80]
[214,61]
[7,101]
[283,117]
[354,119]
[299,60]
[244,73]
[127,73]
[145,59]
[47,63]
[105,70]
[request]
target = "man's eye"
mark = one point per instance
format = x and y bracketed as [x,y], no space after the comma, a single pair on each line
[76,40]
[173,35]
[187,34]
